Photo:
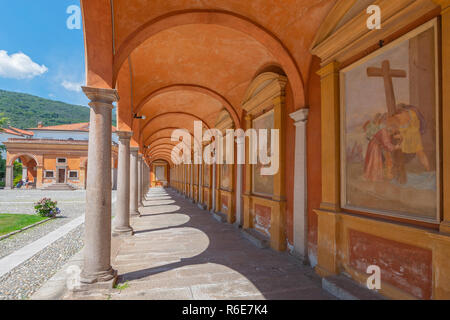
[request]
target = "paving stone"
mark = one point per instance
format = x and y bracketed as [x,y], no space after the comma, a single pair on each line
[181,252]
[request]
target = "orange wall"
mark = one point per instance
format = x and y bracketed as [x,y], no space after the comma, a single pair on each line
[73,163]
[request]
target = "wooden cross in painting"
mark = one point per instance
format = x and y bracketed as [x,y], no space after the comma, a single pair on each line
[388,74]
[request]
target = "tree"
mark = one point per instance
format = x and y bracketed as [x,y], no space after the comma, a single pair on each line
[17,172]
[3,122]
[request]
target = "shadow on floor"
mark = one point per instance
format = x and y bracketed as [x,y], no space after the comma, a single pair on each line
[189,250]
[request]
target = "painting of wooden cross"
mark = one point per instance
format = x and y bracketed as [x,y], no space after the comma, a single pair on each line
[387,74]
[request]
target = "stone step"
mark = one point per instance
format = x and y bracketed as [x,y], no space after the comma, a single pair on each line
[59,187]
[256,238]
[344,288]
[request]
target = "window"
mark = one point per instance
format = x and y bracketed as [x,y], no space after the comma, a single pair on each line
[61,160]
[73,174]
[49,174]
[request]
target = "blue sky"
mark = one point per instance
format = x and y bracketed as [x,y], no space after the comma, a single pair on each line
[52,61]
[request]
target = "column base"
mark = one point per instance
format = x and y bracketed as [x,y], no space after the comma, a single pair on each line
[135,214]
[201,206]
[122,231]
[104,278]
[7,188]
[300,256]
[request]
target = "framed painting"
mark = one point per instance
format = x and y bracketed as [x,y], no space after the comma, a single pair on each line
[206,170]
[225,171]
[263,185]
[160,174]
[390,146]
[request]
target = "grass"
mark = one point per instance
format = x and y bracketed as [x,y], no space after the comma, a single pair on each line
[122,286]
[13,222]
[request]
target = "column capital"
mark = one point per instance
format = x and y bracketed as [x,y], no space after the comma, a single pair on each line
[300,116]
[443,3]
[134,150]
[124,135]
[101,95]
[140,156]
[330,68]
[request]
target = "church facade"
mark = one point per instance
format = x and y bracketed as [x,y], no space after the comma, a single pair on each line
[53,157]
[354,93]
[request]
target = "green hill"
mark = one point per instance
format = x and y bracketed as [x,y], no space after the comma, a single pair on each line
[25,111]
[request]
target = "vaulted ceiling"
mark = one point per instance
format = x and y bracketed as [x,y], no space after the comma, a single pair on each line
[180,61]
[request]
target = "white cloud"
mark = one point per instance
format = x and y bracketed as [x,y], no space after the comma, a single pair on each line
[19,66]
[72,86]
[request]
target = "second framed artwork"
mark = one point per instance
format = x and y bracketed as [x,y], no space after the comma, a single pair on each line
[390,155]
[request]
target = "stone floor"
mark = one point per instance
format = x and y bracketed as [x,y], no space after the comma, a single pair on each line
[180,252]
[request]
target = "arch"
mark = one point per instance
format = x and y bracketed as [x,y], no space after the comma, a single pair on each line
[161,138]
[160,155]
[17,156]
[167,128]
[167,144]
[162,148]
[222,18]
[262,81]
[169,162]
[195,88]
[173,113]
[155,160]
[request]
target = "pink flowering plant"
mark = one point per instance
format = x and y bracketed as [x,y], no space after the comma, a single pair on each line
[47,208]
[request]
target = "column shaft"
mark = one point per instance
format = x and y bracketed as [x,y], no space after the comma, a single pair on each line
[134,182]
[24,173]
[300,185]
[97,250]
[122,219]
[9,178]
[213,188]
[140,183]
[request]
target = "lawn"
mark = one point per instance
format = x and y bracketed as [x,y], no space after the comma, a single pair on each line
[13,222]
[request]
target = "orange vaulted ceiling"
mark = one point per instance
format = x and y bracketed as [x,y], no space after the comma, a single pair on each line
[190,59]
[210,56]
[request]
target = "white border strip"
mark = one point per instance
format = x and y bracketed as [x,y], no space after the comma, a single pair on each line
[20,256]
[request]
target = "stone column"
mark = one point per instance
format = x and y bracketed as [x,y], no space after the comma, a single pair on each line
[24,173]
[239,176]
[200,184]
[213,188]
[9,178]
[300,118]
[144,180]
[192,183]
[122,219]
[114,178]
[97,250]
[134,181]
[140,180]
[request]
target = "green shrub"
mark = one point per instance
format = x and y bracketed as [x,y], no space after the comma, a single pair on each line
[17,179]
[47,208]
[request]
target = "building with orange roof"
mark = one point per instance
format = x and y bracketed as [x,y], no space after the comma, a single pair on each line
[53,157]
